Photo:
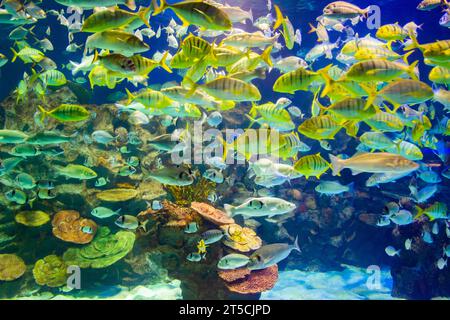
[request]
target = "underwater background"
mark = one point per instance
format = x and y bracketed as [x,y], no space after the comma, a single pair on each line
[344,247]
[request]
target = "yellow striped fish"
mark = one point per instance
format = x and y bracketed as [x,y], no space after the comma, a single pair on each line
[312,165]
[319,128]
[150,98]
[66,113]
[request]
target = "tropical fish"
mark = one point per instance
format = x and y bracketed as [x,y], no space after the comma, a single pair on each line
[66,113]
[75,171]
[271,254]
[381,162]
[233,261]
[103,212]
[260,207]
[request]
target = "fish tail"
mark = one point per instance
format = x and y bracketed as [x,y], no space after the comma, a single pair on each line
[280,18]
[130,96]
[131,4]
[14,58]
[250,13]
[328,80]
[44,112]
[371,95]
[406,56]
[162,62]
[191,85]
[414,45]
[336,165]
[351,188]
[143,225]
[229,209]
[252,120]
[266,56]
[225,147]
[95,57]
[142,14]
[31,31]
[160,8]
[420,213]
[296,246]
[313,29]
[253,110]
[411,70]
[365,13]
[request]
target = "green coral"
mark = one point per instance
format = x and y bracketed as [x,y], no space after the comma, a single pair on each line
[50,271]
[197,192]
[105,250]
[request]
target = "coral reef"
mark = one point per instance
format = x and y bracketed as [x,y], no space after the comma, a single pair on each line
[105,250]
[68,226]
[256,281]
[32,218]
[50,271]
[212,214]
[241,239]
[12,267]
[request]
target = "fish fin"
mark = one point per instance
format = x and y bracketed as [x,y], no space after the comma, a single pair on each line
[406,56]
[229,209]
[420,212]
[414,45]
[411,70]
[266,56]
[372,95]
[160,8]
[14,58]
[279,19]
[313,29]
[162,62]
[355,172]
[130,96]
[43,111]
[142,14]
[131,4]
[328,80]
[143,225]
[336,165]
[296,246]
[351,188]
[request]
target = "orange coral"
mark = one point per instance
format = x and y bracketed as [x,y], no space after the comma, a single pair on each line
[68,225]
[212,214]
[234,274]
[255,282]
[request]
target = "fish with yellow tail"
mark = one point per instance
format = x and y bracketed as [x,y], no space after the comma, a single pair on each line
[344,10]
[300,79]
[66,113]
[322,127]
[226,88]
[288,29]
[117,40]
[380,70]
[312,165]
[381,162]
[114,19]
[199,13]
[438,210]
